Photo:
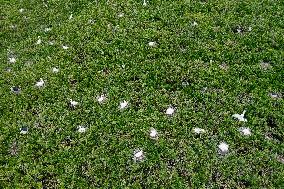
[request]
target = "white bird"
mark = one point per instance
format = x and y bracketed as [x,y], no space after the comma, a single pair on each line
[55,70]
[38,41]
[40,83]
[239,30]
[120,15]
[71,16]
[198,130]
[223,147]
[144,3]
[73,103]
[138,155]
[170,111]
[81,129]
[13,26]
[123,104]
[153,133]
[24,130]
[12,60]
[47,29]
[101,98]
[194,23]
[241,117]
[65,47]
[21,10]
[274,95]
[152,44]
[245,131]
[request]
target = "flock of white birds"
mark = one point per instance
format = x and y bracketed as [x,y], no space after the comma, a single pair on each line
[139,155]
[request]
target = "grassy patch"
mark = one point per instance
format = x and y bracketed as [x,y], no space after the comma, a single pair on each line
[210,60]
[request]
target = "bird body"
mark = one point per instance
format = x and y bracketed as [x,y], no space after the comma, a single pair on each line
[240,117]
[40,83]
[170,111]
[123,104]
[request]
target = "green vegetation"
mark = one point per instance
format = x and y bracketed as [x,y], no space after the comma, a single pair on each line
[211,59]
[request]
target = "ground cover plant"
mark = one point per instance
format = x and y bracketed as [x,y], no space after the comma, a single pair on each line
[142,94]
